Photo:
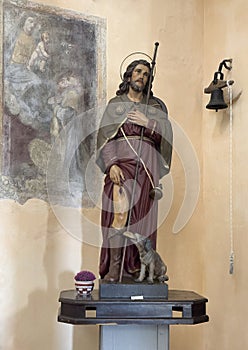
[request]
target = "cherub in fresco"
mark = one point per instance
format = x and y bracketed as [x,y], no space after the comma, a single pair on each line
[40,55]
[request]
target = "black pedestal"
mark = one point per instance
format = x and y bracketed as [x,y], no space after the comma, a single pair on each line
[140,318]
[181,307]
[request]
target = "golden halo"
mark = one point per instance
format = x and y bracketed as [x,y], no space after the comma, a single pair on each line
[138,53]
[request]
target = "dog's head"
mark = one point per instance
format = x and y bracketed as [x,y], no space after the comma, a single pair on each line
[139,240]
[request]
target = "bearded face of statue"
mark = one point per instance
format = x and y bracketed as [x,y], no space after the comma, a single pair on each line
[139,78]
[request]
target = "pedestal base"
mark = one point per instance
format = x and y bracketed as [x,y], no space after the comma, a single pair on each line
[129,289]
[146,322]
[134,337]
[181,307]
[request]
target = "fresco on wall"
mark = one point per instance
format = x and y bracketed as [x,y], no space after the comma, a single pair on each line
[52,62]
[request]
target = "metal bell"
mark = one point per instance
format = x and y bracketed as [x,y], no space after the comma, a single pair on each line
[216,100]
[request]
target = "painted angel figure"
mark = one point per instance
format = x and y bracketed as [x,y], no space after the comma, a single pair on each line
[40,55]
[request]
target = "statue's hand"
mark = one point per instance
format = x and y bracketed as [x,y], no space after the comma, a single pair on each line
[116,174]
[137,117]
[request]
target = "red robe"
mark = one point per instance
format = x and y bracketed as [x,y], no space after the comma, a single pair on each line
[116,150]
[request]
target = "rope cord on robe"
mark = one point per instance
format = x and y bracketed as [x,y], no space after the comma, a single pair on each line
[138,161]
[139,157]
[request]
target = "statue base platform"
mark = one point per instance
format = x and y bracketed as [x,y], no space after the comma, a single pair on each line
[129,289]
[133,324]
[181,307]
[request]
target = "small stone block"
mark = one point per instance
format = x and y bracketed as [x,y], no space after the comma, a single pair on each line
[129,289]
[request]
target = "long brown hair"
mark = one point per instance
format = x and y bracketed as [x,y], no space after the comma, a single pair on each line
[124,86]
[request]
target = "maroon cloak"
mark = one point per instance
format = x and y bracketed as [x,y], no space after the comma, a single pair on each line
[155,152]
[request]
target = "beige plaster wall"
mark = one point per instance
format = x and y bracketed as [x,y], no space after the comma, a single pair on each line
[39,257]
[225,36]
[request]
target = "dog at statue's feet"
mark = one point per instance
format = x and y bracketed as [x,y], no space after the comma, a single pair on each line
[151,262]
